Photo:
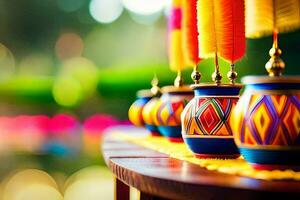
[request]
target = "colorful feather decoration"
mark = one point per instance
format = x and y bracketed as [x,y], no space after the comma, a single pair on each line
[272,17]
[231,29]
[190,37]
[190,31]
[269,16]
[176,59]
[207,28]
[221,26]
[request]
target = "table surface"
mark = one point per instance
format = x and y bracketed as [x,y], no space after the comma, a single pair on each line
[156,173]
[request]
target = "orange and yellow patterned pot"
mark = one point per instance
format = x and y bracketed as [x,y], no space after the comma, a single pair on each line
[135,111]
[205,121]
[148,114]
[168,111]
[266,122]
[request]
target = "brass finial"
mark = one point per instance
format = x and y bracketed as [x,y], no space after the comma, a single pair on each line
[196,75]
[179,79]
[275,65]
[216,76]
[155,89]
[232,74]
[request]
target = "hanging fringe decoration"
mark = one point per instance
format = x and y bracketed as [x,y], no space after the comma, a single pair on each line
[190,36]
[207,28]
[175,54]
[265,17]
[272,17]
[231,29]
[176,57]
[221,29]
[231,33]
[190,31]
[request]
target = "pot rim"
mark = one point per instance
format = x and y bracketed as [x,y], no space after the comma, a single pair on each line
[144,93]
[214,85]
[270,79]
[174,89]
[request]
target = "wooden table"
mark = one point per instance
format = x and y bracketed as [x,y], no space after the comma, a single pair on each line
[158,176]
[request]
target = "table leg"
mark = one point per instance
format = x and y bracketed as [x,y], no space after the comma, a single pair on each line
[145,196]
[121,190]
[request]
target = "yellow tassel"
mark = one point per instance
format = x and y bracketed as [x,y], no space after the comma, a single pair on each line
[176,3]
[263,17]
[176,55]
[206,24]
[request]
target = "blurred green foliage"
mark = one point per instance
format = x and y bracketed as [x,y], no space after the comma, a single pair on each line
[127,55]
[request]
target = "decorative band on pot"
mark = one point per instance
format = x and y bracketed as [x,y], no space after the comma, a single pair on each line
[205,121]
[168,111]
[266,122]
[135,110]
[148,114]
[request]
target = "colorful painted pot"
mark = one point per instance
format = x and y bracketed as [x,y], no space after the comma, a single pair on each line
[266,122]
[168,111]
[205,121]
[135,110]
[148,116]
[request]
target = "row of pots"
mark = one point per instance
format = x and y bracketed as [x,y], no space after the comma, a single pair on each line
[263,125]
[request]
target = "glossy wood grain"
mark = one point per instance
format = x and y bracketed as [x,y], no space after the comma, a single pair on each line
[158,175]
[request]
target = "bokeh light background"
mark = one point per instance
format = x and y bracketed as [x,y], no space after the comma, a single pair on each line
[68,70]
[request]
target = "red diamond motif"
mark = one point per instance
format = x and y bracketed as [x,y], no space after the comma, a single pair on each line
[176,105]
[209,119]
[223,103]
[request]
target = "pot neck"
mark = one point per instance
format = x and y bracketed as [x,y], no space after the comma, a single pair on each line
[274,86]
[217,91]
[179,93]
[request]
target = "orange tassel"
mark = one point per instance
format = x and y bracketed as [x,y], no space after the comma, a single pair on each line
[190,31]
[231,29]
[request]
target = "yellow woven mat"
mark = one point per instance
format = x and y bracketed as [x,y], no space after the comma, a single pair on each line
[231,166]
